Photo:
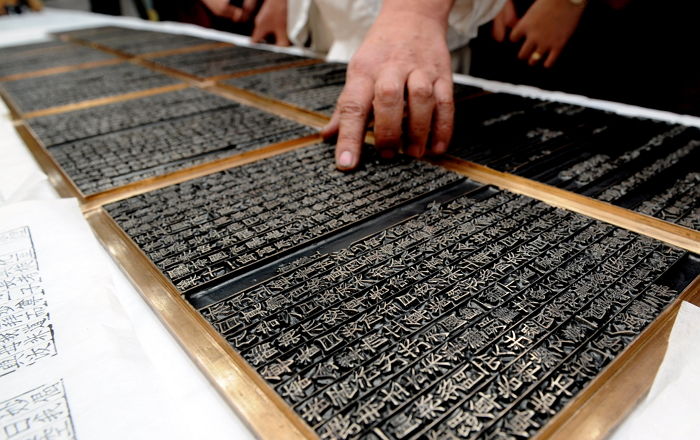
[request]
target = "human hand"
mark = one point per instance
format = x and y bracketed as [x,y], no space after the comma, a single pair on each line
[546,27]
[223,8]
[272,20]
[506,19]
[404,54]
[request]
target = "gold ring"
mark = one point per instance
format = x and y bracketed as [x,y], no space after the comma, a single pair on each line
[535,56]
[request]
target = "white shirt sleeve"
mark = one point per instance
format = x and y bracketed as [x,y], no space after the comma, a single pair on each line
[337,27]
[466,17]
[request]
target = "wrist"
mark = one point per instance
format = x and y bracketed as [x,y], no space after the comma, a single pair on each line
[436,11]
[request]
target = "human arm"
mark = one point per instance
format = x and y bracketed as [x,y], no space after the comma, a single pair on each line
[404,53]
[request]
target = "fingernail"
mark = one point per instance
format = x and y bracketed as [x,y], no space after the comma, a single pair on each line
[345,159]
[386,153]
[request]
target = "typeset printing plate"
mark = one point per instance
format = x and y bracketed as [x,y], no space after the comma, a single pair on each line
[482,317]
[217,226]
[32,94]
[225,61]
[399,301]
[647,166]
[37,57]
[110,118]
[139,42]
[315,87]
[181,129]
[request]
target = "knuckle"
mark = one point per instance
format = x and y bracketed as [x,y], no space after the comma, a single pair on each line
[445,104]
[387,92]
[358,65]
[422,91]
[350,108]
[443,126]
[387,133]
[350,138]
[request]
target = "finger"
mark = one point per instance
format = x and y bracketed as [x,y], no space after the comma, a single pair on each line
[248,8]
[330,130]
[443,116]
[536,56]
[552,58]
[259,34]
[498,30]
[234,13]
[353,107]
[421,104]
[281,38]
[388,109]
[527,49]
[510,18]
[518,32]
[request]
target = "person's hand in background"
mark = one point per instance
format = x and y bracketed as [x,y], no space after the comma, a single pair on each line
[402,69]
[546,28]
[506,20]
[271,21]
[224,8]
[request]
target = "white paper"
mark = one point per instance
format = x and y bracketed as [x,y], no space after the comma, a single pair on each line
[670,409]
[63,282]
